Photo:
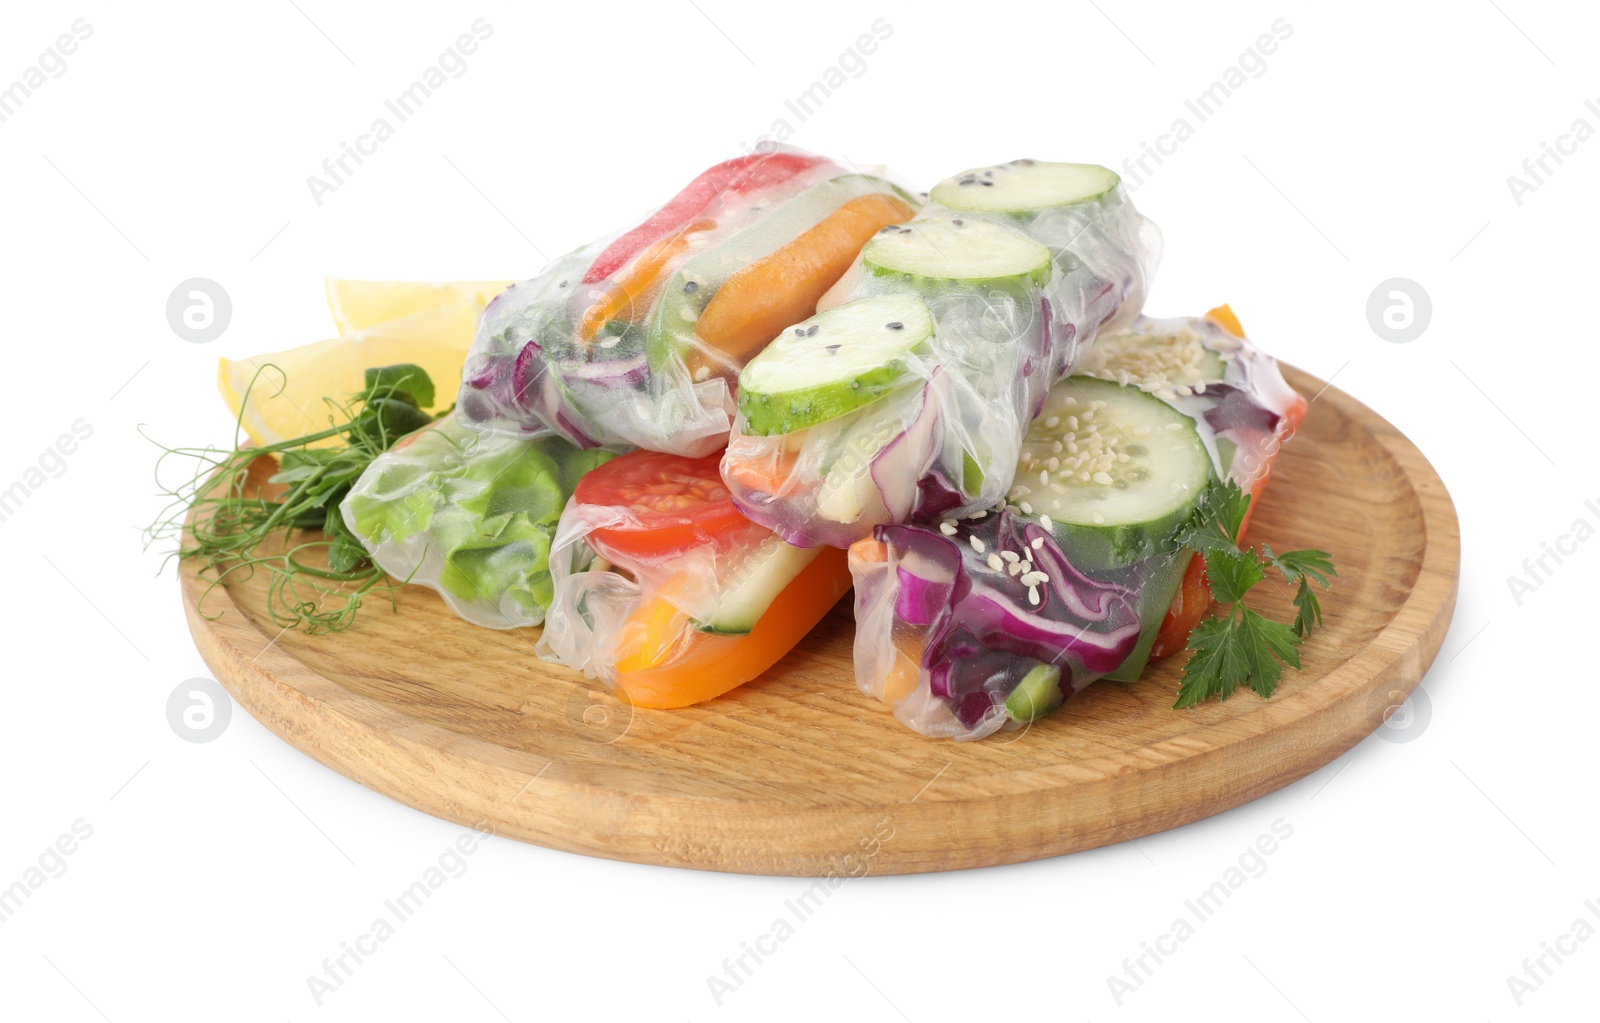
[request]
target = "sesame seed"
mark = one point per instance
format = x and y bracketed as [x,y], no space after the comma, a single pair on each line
[1010,556]
[995,564]
[977,544]
[1038,542]
[947,527]
[1044,520]
[1033,595]
[702,373]
[1027,509]
[1053,422]
[1014,568]
[980,513]
[1035,578]
[1044,476]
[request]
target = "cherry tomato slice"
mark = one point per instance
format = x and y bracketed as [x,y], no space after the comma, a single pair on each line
[671,503]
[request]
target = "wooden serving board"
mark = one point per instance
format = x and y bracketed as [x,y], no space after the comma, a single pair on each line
[800,773]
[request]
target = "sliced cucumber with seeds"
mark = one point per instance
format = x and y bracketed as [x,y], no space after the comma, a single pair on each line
[1154,360]
[952,249]
[833,363]
[757,581]
[1116,469]
[1024,186]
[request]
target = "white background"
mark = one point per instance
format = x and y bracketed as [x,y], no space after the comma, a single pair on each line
[1376,144]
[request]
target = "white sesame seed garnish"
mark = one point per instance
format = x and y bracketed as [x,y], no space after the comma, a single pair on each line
[702,373]
[977,544]
[1053,422]
[1014,568]
[1200,388]
[1034,578]
[1010,556]
[1044,476]
[980,513]
[1102,478]
[1027,509]
[947,527]
[1038,542]
[1044,520]
[1033,595]
[995,564]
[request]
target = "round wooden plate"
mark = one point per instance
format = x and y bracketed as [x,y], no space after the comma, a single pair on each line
[800,773]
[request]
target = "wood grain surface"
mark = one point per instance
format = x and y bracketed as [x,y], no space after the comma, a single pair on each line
[801,774]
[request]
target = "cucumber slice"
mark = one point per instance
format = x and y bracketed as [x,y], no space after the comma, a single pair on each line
[848,486]
[1117,470]
[758,580]
[687,293]
[1024,186]
[1155,361]
[965,251]
[833,363]
[1036,695]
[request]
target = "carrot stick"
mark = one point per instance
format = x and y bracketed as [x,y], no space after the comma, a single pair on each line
[756,303]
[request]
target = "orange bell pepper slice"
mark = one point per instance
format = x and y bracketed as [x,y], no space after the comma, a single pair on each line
[668,663]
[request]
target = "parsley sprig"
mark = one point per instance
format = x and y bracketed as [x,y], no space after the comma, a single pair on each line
[1244,647]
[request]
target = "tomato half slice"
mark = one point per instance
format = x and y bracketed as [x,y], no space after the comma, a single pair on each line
[671,503]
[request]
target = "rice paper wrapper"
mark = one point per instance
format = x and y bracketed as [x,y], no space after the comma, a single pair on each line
[590,625]
[947,630]
[636,340]
[471,516]
[945,442]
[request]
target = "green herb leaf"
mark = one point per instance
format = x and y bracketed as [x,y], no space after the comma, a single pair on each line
[405,381]
[1245,648]
[1308,609]
[1231,572]
[218,516]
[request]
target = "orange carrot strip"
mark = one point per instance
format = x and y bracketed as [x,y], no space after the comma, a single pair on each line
[756,303]
[644,275]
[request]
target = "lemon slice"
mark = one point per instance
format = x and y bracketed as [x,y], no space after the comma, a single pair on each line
[288,390]
[357,305]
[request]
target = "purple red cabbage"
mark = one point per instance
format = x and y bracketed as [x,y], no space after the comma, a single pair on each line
[980,623]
